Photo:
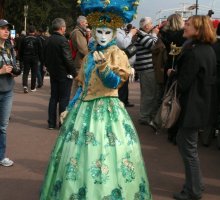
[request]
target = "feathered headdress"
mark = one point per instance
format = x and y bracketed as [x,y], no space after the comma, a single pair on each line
[109,13]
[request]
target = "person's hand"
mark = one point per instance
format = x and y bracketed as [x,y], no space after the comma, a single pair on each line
[63,116]
[155,30]
[99,57]
[170,72]
[6,69]
[133,31]
[132,75]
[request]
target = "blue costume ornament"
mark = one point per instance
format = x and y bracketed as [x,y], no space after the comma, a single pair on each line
[109,13]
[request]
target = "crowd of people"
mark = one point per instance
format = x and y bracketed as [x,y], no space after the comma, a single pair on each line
[91,67]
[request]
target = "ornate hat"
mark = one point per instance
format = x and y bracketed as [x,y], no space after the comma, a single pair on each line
[109,13]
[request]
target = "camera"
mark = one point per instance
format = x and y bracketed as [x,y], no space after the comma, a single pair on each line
[16,70]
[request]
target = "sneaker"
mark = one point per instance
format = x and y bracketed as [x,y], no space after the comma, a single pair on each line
[6,162]
[34,90]
[153,126]
[51,127]
[25,90]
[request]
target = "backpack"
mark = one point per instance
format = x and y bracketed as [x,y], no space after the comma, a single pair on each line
[29,45]
[73,51]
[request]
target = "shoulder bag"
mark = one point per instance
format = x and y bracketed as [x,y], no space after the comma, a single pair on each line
[169,110]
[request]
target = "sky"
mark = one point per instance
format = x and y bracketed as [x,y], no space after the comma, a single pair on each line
[151,8]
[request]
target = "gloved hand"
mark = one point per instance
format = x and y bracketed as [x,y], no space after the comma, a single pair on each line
[99,58]
[132,75]
[63,116]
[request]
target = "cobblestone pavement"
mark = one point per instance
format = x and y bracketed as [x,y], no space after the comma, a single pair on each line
[29,144]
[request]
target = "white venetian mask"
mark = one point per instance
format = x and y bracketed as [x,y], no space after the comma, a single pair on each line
[103,35]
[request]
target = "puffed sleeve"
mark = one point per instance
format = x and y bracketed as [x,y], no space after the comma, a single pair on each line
[116,70]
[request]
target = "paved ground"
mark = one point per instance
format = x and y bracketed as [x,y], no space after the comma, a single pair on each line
[30,144]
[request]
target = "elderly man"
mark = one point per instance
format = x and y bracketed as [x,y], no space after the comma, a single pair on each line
[80,44]
[145,69]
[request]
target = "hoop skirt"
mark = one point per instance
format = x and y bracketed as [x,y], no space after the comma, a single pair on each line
[97,156]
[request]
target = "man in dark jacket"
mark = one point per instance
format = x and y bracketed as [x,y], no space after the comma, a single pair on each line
[30,53]
[59,63]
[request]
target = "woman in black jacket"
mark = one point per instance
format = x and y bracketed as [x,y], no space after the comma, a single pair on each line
[196,74]
[216,47]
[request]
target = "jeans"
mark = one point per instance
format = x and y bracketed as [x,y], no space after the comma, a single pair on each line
[5,111]
[39,75]
[187,139]
[60,93]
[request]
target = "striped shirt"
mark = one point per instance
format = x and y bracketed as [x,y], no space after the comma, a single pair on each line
[144,44]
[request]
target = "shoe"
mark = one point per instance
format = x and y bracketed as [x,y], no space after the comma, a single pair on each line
[25,90]
[40,86]
[6,162]
[184,196]
[141,122]
[129,105]
[34,90]
[153,126]
[50,127]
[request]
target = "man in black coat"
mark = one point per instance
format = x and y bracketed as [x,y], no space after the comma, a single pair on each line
[59,63]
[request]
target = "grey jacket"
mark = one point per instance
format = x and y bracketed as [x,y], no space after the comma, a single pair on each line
[6,80]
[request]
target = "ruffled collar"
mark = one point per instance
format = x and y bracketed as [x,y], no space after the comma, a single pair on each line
[93,46]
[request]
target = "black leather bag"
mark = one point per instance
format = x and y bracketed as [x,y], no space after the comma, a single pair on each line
[130,50]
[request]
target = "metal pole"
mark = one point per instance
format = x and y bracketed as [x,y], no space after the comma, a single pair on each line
[25,17]
[197,7]
[25,24]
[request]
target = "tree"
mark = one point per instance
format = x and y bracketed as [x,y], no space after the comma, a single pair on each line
[40,12]
[2,4]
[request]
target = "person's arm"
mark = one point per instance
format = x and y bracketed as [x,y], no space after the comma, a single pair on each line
[187,71]
[124,40]
[112,72]
[147,41]
[67,57]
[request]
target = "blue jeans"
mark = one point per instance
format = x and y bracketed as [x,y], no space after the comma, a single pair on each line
[60,93]
[5,111]
[39,75]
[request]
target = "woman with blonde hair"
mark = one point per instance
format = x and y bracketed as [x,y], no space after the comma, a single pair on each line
[195,74]
[172,33]
[175,22]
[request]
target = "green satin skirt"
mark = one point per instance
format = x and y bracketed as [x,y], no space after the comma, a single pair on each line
[97,156]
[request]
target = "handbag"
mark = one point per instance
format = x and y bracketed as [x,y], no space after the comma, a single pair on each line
[170,108]
[130,50]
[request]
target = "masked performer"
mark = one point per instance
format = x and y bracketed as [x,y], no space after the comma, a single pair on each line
[97,155]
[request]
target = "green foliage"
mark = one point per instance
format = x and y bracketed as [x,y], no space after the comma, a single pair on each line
[41,12]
